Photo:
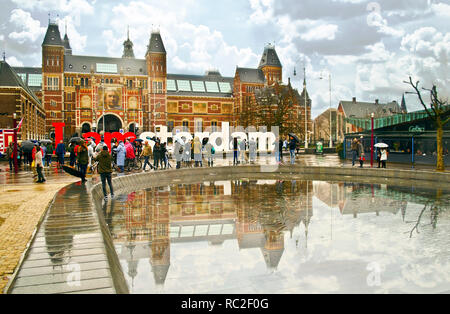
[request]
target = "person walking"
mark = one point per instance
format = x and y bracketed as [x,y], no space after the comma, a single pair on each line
[362,156]
[121,153]
[252,150]
[163,155]
[354,150]
[129,149]
[209,153]
[157,155]
[197,152]
[292,147]
[72,154]
[383,158]
[60,153]
[44,153]
[39,165]
[104,168]
[83,159]
[235,151]
[178,152]
[147,154]
[49,153]
[10,154]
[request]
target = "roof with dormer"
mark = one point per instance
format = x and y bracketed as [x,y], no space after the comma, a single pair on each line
[269,58]
[9,78]
[156,44]
[52,36]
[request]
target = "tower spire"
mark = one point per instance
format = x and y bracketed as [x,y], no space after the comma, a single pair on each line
[304,77]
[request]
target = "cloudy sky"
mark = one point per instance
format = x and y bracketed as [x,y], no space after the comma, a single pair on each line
[369,48]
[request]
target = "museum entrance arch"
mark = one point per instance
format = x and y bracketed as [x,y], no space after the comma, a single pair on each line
[112,123]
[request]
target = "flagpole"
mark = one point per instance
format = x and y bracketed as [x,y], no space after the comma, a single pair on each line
[16,165]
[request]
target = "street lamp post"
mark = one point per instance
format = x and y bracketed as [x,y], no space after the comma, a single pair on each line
[16,166]
[371,145]
[331,135]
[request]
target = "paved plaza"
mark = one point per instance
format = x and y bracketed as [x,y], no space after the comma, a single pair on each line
[54,251]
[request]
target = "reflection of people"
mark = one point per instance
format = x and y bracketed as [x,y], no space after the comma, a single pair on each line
[111,99]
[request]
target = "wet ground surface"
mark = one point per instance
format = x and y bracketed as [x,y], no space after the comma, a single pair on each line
[68,253]
[268,236]
[70,241]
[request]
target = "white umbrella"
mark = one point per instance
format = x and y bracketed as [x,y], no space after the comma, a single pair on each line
[179,140]
[382,145]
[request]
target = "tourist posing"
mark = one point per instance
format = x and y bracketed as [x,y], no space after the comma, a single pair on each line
[104,169]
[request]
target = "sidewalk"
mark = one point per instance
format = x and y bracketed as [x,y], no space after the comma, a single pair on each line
[22,206]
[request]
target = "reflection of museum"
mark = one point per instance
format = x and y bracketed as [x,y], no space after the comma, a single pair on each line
[145,225]
[123,93]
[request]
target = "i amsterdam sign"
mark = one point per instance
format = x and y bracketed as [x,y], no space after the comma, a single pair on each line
[222,141]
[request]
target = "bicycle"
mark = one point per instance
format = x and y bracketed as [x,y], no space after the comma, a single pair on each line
[133,164]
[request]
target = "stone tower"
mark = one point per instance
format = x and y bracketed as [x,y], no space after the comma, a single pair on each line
[157,76]
[128,47]
[270,65]
[53,51]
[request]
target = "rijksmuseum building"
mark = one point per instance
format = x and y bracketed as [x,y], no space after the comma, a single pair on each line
[112,94]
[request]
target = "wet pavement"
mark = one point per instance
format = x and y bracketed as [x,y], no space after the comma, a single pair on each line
[283,236]
[68,254]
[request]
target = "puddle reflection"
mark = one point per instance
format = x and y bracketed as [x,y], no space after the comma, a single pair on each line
[269,236]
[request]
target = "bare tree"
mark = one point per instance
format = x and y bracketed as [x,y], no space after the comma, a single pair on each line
[276,106]
[437,111]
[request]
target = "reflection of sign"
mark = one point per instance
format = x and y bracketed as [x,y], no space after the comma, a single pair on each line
[86,102]
[132,103]
[416,129]
[110,98]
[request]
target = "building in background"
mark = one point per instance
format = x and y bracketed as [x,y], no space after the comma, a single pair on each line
[112,94]
[16,97]
[363,110]
[322,126]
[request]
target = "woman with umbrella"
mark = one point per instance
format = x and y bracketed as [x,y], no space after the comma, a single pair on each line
[382,154]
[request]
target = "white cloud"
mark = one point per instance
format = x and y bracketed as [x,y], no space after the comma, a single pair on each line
[190,47]
[262,11]
[74,8]
[321,32]
[30,29]
[12,61]
[441,9]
